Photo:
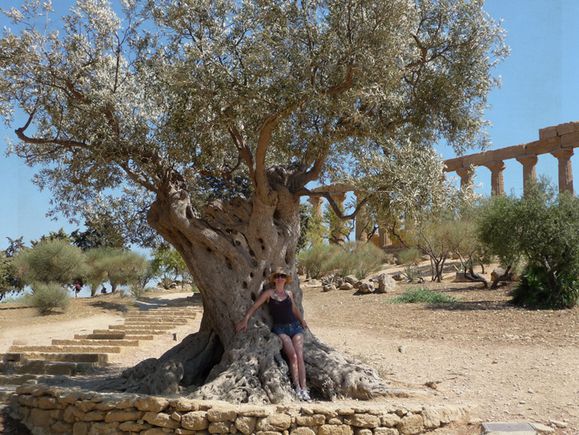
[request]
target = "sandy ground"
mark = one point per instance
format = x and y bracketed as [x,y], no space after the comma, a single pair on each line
[507,364]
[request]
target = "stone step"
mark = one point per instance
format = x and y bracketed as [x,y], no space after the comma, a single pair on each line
[42,367]
[66,349]
[98,358]
[132,333]
[141,320]
[140,326]
[158,313]
[113,336]
[90,342]
[103,334]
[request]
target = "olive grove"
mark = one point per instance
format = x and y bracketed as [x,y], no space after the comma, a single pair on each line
[213,118]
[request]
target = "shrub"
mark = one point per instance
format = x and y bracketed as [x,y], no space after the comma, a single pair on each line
[422,295]
[48,297]
[543,230]
[318,259]
[534,292]
[50,261]
[118,266]
[357,259]
[409,258]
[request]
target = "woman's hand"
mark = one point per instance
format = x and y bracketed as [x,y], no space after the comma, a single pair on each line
[241,325]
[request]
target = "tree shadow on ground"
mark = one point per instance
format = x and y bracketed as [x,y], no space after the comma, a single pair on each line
[481,305]
[110,306]
[151,303]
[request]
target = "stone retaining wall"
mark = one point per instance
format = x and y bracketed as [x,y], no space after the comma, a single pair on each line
[53,410]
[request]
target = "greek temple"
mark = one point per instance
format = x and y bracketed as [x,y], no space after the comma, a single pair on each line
[558,140]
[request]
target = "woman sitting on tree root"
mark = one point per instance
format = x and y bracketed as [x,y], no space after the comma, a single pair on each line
[288,324]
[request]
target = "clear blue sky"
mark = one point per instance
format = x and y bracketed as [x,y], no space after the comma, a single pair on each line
[540,88]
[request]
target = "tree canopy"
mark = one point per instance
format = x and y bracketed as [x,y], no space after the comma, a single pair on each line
[212,119]
[123,102]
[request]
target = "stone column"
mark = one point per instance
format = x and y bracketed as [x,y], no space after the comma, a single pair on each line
[529,173]
[316,202]
[384,237]
[497,182]
[465,174]
[361,221]
[337,233]
[565,170]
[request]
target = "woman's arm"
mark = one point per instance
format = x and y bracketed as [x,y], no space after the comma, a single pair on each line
[296,311]
[242,324]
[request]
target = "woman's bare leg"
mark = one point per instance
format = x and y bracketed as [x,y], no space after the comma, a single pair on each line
[298,345]
[289,350]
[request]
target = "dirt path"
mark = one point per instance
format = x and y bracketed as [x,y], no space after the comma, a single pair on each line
[511,364]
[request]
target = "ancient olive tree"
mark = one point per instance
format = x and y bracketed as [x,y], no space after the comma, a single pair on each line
[216,116]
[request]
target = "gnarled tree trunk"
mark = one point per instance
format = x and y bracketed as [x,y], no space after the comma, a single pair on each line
[230,252]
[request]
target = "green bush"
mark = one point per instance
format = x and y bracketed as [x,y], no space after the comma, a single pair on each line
[50,261]
[48,297]
[359,259]
[542,230]
[534,291]
[117,266]
[422,295]
[317,260]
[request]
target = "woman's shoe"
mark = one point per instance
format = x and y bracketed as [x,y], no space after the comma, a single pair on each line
[306,395]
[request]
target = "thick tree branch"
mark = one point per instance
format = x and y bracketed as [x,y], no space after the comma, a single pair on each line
[333,204]
[263,142]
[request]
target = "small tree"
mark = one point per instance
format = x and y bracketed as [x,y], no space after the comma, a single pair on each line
[9,282]
[53,235]
[543,230]
[117,266]
[168,264]
[409,258]
[49,261]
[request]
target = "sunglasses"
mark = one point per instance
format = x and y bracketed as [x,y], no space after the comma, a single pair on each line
[279,275]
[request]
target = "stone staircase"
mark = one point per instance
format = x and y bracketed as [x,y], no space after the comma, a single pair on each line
[87,353]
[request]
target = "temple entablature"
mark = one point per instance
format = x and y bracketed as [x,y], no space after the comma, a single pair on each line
[558,140]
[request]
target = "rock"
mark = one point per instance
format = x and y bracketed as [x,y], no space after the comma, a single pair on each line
[385,431]
[310,420]
[221,414]
[411,424]
[195,420]
[365,288]
[302,431]
[218,427]
[390,420]
[151,403]
[351,279]
[328,287]
[559,424]
[39,417]
[385,283]
[331,429]
[542,429]
[122,416]
[183,404]
[363,420]
[160,419]
[131,426]
[397,277]
[80,428]
[346,286]
[60,427]
[245,425]
[274,422]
